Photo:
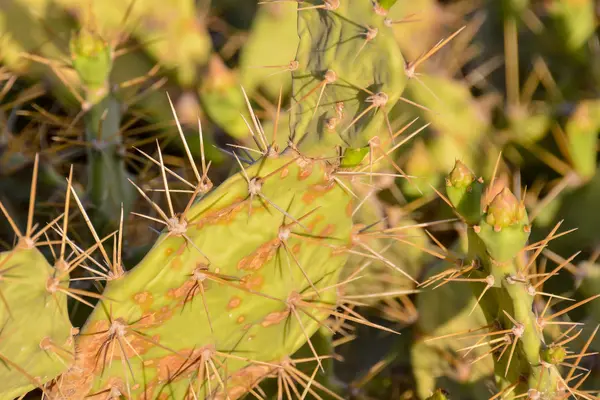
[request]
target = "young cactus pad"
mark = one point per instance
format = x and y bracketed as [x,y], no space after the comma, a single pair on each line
[232,287]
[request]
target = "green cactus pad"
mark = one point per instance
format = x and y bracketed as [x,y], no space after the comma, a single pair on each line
[351,67]
[222,99]
[270,48]
[35,337]
[242,264]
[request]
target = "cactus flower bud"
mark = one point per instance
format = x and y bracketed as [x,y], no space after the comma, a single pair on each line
[554,354]
[460,176]
[92,58]
[504,228]
[505,210]
[464,192]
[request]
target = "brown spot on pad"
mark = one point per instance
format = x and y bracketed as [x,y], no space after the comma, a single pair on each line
[260,256]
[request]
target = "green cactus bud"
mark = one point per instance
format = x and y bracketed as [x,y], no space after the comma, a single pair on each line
[460,176]
[504,229]
[505,210]
[91,57]
[465,191]
[582,134]
[554,354]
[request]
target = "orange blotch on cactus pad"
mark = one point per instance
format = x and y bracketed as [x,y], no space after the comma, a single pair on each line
[144,300]
[329,229]
[317,191]
[284,172]
[305,172]
[164,314]
[176,263]
[187,289]
[259,257]
[296,248]
[318,218]
[234,302]
[175,362]
[275,317]
[222,216]
[350,208]
[244,380]
[252,282]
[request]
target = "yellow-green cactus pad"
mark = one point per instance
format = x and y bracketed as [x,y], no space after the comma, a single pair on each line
[35,334]
[222,294]
[350,73]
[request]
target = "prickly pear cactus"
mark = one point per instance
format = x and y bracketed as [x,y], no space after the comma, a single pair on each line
[350,73]
[36,342]
[233,286]
[505,285]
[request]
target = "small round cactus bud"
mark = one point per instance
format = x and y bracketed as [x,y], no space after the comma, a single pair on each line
[504,227]
[505,210]
[464,192]
[460,176]
[91,57]
[554,354]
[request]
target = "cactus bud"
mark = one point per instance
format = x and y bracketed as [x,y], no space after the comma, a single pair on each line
[554,354]
[464,192]
[505,210]
[582,133]
[92,58]
[504,229]
[460,176]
